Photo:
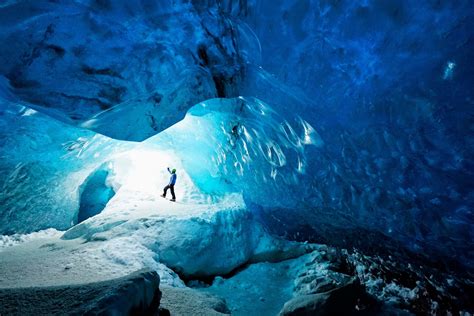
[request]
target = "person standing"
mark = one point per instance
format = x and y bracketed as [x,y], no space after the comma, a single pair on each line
[170,185]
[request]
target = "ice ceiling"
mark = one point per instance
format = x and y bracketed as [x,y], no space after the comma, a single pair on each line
[333,117]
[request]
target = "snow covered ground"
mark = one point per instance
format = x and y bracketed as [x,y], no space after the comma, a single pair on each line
[137,293]
[195,240]
[196,244]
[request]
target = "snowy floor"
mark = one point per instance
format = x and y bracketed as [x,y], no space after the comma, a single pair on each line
[195,240]
[137,293]
[251,272]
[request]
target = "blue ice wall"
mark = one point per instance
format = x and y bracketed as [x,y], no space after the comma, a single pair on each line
[92,63]
[388,85]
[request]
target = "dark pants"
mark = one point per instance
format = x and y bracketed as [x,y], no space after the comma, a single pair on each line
[171,187]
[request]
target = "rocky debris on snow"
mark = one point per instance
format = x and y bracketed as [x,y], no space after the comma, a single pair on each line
[413,283]
[327,285]
[342,300]
[386,285]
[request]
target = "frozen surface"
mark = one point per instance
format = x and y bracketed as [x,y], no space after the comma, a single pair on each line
[241,144]
[16,239]
[54,262]
[119,57]
[385,85]
[138,292]
[260,289]
[187,301]
[348,123]
[44,164]
[194,240]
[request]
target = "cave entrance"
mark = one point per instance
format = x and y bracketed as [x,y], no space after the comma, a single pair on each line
[95,194]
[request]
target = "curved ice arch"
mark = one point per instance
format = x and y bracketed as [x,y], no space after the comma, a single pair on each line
[243,145]
[222,146]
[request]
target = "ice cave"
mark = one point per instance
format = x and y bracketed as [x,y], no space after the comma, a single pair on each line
[236,157]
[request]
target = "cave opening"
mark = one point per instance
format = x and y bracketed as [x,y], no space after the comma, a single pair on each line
[95,194]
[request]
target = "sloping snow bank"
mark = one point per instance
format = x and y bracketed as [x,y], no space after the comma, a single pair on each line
[192,239]
[136,293]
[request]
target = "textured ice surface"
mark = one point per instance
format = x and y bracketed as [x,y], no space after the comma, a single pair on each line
[385,85]
[210,230]
[44,164]
[186,301]
[195,240]
[241,147]
[16,239]
[354,126]
[266,296]
[91,61]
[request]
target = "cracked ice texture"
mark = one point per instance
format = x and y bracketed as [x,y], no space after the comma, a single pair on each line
[387,85]
[77,59]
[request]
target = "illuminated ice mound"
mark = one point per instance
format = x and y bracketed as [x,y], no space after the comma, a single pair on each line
[194,240]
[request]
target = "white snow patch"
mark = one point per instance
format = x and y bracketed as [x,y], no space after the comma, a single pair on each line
[15,239]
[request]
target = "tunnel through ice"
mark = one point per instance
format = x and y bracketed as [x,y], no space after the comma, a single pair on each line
[95,193]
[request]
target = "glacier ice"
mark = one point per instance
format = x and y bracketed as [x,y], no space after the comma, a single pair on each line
[44,164]
[241,146]
[347,123]
[107,65]
[132,171]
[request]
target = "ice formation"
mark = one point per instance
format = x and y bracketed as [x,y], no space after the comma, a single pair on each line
[290,124]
